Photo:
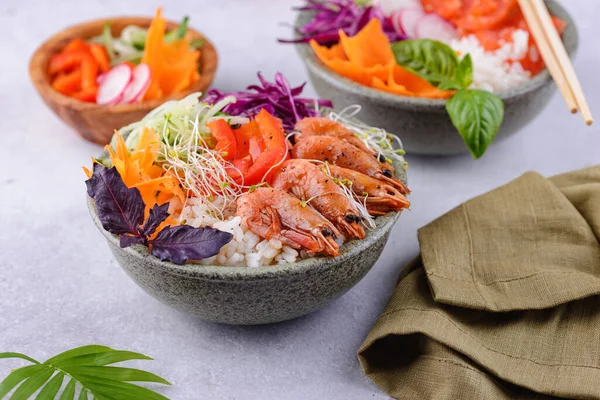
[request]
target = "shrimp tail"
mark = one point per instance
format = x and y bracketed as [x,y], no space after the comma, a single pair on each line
[374,211]
[300,240]
[397,202]
[314,243]
[328,242]
[395,183]
[352,228]
[275,227]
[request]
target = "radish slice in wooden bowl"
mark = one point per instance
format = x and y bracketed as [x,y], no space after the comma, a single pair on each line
[100,78]
[113,86]
[138,85]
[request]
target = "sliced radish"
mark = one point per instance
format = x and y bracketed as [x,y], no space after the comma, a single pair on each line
[395,19]
[389,6]
[100,78]
[138,85]
[432,26]
[112,88]
[408,20]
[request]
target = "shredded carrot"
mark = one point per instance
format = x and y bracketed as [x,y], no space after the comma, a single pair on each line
[173,66]
[87,171]
[369,47]
[367,58]
[138,169]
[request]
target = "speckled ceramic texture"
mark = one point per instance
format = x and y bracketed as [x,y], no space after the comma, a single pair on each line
[423,124]
[246,296]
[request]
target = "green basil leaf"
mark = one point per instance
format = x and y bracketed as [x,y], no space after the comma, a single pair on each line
[449,85]
[432,60]
[477,115]
[464,72]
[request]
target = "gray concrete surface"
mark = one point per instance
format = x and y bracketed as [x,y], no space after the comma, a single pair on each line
[60,287]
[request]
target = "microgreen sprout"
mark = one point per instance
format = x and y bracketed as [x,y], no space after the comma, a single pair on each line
[254,187]
[304,203]
[187,153]
[346,186]
[388,147]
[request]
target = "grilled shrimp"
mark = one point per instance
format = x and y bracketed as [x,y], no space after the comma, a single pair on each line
[308,182]
[275,214]
[379,196]
[346,155]
[320,126]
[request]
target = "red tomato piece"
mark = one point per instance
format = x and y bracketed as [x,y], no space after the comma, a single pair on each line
[243,164]
[238,168]
[246,138]
[226,140]
[447,9]
[274,150]
[487,14]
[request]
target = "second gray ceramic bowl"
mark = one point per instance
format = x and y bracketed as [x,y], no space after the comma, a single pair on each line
[247,296]
[423,124]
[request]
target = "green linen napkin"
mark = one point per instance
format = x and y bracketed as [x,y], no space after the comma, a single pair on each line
[503,301]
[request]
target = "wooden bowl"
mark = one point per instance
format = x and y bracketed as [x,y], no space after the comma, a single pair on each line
[96,122]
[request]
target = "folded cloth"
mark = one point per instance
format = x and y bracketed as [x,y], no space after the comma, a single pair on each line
[503,301]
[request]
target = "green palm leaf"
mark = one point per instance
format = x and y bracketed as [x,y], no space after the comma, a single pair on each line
[83,395]
[52,387]
[32,384]
[18,376]
[18,355]
[86,373]
[69,393]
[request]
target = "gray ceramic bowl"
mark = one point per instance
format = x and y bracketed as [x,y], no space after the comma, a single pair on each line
[245,296]
[423,124]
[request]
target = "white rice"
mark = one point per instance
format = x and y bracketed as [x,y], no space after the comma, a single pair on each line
[246,248]
[493,70]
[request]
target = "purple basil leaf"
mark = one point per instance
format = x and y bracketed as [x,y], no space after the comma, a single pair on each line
[120,209]
[128,240]
[184,242]
[157,215]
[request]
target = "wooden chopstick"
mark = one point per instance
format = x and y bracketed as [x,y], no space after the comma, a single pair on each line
[555,56]
[547,54]
[563,59]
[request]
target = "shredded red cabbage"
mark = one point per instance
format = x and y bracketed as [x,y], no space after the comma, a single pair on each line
[332,15]
[279,98]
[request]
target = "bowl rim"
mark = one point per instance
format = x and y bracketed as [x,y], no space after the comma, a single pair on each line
[237,273]
[343,83]
[37,67]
